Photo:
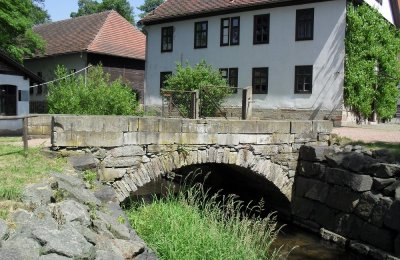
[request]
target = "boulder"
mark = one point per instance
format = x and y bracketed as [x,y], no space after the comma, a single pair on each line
[54,257]
[105,194]
[384,170]
[35,195]
[83,162]
[397,245]
[392,216]
[118,230]
[111,174]
[311,169]
[381,238]
[107,255]
[67,242]
[341,177]
[20,248]
[352,161]
[364,208]
[391,189]
[3,230]
[380,210]
[314,153]
[129,249]
[342,198]
[71,211]
[359,247]
[379,183]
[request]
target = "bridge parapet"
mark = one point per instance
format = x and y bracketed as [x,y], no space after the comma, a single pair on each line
[132,151]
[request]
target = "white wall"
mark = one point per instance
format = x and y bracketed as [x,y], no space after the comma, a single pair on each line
[384,9]
[48,65]
[22,106]
[325,52]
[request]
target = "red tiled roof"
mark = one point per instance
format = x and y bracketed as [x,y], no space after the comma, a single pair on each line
[175,9]
[106,33]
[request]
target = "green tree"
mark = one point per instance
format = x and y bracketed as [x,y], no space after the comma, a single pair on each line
[148,6]
[16,35]
[95,96]
[213,88]
[38,14]
[123,7]
[372,68]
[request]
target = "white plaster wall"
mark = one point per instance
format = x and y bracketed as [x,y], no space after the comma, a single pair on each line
[22,106]
[281,55]
[384,9]
[48,65]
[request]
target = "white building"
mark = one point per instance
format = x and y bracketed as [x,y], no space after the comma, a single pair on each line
[15,81]
[290,52]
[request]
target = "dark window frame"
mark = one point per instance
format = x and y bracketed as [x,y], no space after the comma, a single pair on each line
[201,31]
[163,75]
[254,78]
[255,27]
[304,18]
[167,34]
[232,77]
[231,32]
[300,75]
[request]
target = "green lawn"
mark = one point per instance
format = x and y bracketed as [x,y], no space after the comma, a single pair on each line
[16,170]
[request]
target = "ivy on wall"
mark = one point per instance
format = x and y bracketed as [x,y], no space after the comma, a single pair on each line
[372,65]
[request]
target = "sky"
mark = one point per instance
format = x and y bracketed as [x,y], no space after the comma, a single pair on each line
[61,9]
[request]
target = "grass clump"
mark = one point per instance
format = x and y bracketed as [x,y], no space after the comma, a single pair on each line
[90,177]
[16,170]
[194,225]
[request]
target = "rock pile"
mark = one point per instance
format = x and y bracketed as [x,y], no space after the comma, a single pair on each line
[350,195]
[69,221]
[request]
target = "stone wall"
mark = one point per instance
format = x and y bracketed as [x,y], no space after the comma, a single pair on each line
[351,196]
[39,125]
[132,151]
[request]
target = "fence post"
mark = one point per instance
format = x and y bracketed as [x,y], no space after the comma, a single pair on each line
[247,107]
[194,104]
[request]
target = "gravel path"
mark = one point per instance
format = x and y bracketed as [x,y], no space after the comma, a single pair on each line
[371,133]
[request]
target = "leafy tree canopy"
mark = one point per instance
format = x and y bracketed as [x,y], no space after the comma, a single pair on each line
[372,67]
[213,88]
[16,20]
[38,14]
[97,95]
[148,6]
[123,7]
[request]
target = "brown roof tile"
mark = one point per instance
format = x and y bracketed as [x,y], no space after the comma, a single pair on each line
[175,9]
[106,33]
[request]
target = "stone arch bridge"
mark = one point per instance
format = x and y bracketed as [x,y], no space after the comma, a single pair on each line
[133,151]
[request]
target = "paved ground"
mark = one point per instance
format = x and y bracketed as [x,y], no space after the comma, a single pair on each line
[371,133]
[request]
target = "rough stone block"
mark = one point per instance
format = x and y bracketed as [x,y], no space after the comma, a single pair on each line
[285,148]
[155,148]
[121,162]
[333,237]
[111,174]
[391,190]
[126,151]
[264,139]
[266,150]
[324,137]
[318,191]
[35,130]
[305,137]
[368,200]
[131,138]
[133,124]
[384,170]
[243,127]
[345,178]
[149,124]
[149,138]
[282,138]
[352,161]
[392,216]
[397,245]
[378,237]
[323,215]
[88,139]
[322,126]
[380,210]
[379,184]
[170,125]
[83,162]
[314,153]
[359,247]
[270,127]
[302,207]
[301,127]
[311,169]
[342,198]
[227,139]
[247,139]
[92,123]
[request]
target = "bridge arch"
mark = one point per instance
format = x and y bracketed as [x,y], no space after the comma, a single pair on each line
[243,158]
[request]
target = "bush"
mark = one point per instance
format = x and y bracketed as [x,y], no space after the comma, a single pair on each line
[213,88]
[194,225]
[371,42]
[99,96]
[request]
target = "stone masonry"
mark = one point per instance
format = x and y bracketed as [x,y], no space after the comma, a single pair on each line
[132,151]
[350,196]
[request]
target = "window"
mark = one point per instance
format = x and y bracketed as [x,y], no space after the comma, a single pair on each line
[167,39]
[230,31]
[8,100]
[200,34]
[231,76]
[163,77]
[260,80]
[305,24]
[303,79]
[261,29]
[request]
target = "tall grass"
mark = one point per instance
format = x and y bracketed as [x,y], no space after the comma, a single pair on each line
[196,225]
